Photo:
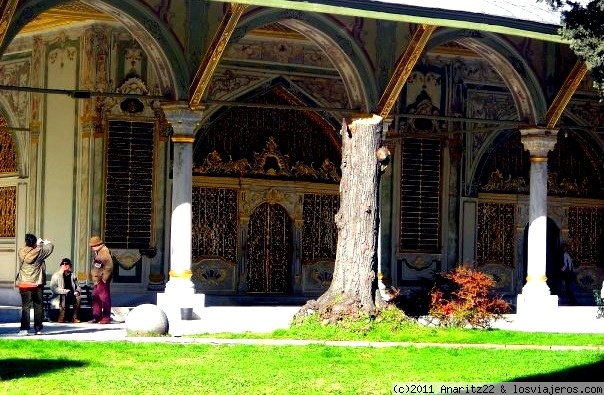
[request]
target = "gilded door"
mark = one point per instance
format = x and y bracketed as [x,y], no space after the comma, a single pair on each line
[269,247]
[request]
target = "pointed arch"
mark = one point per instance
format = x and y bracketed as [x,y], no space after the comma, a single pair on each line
[517,75]
[575,166]
[302,137]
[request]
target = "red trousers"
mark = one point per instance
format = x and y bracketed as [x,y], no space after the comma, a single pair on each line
[101,301]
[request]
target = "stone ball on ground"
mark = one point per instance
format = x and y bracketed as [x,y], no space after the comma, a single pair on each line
[146,320]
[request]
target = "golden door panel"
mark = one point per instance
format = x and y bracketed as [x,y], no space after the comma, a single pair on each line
[495,247]
[269,247]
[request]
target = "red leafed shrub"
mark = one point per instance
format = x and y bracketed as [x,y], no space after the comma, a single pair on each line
[463,297]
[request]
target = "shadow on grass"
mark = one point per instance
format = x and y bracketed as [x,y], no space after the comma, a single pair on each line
[584,373]
[13,368]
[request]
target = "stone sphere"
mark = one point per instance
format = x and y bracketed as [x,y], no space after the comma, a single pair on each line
[146,320]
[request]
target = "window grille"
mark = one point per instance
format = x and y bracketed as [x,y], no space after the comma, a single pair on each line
[129,195]
[420,195]
[8,208]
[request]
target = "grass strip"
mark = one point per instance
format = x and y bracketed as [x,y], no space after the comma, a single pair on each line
[62,367]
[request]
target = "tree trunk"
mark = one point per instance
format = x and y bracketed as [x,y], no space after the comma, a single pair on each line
[357,221]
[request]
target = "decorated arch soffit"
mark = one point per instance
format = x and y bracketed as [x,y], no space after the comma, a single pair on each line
[160,44]
[347,57]
[516,74]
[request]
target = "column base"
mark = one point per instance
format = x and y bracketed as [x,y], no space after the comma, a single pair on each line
[180,304]
[536,305]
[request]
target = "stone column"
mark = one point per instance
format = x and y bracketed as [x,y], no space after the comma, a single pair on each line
[536,298]
[180,292]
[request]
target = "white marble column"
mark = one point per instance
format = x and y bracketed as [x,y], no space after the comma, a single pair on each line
[536,298]
[180,292]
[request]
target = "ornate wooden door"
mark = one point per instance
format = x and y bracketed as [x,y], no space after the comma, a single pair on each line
[269,247]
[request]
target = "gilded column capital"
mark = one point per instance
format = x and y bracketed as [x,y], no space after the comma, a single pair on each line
[539,141]
[183,120]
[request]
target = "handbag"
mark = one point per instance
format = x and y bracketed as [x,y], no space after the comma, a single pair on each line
[26,286]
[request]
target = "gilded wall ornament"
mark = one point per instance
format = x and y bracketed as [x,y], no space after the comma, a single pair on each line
[127,258]
[270,162]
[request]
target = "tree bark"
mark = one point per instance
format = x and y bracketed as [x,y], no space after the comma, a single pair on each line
[351,291]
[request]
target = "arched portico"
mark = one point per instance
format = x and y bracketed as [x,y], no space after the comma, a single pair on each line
[164,51]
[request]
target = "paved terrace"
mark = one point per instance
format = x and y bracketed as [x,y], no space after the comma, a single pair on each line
[262,319]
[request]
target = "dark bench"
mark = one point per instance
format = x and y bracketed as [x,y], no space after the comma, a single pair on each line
[51,314]
[599,303]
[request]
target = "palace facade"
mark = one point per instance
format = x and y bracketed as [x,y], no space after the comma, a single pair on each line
[111,111]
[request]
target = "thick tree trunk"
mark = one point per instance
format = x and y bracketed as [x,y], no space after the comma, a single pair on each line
[350,293]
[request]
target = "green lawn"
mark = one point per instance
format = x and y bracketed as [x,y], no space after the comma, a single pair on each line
[34,366]
[60,367]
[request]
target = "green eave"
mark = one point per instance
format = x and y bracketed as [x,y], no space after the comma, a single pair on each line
[419,15]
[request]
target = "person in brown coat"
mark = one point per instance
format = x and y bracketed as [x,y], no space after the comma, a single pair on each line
[101,273]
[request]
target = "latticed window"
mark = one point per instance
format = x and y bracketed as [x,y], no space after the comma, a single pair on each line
[8,155]
[495,233]
[585,235]
[129,196]
[214,223]
[319,235]
[8,204]
[420,195]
